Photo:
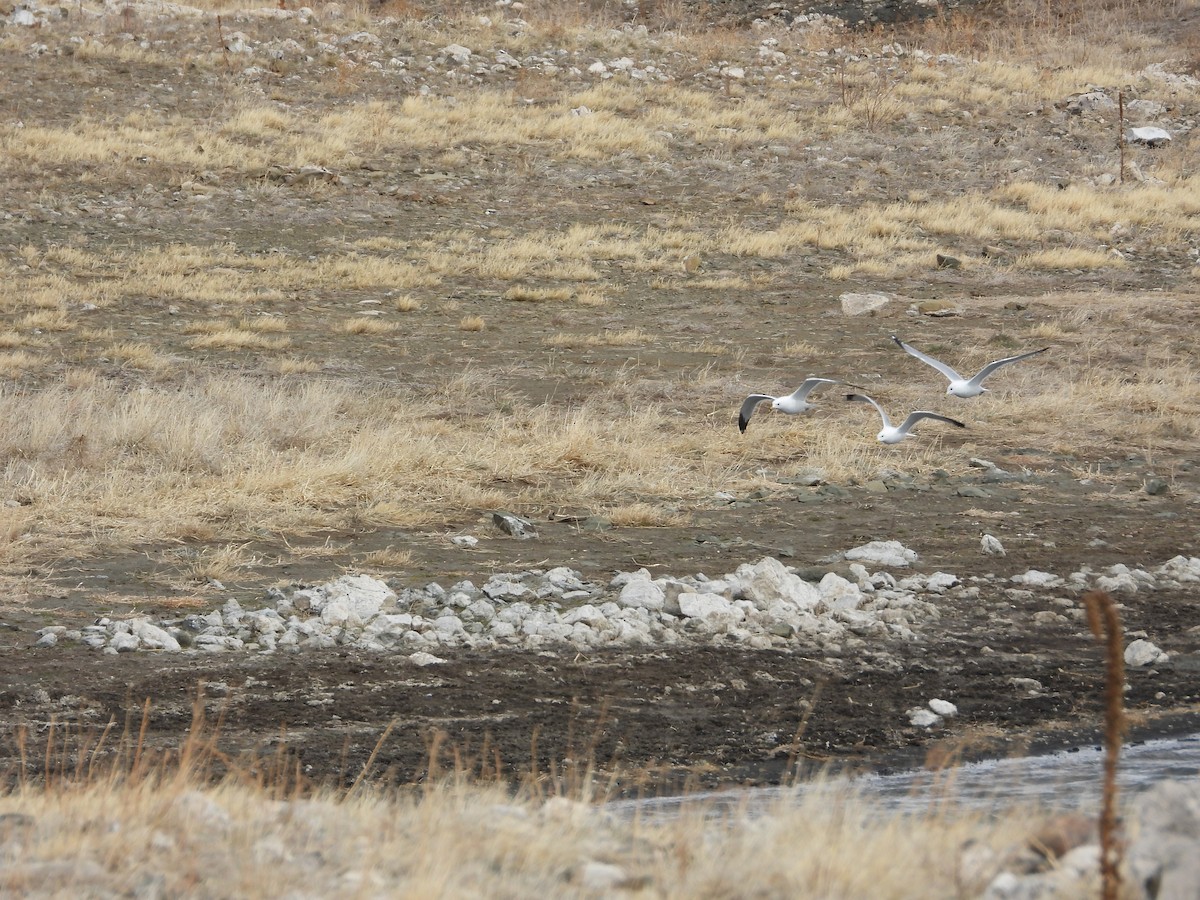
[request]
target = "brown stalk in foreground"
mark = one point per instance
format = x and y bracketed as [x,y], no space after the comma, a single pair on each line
[1106,626]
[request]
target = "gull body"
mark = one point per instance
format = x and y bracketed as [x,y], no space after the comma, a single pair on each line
[792,404]
[894,434]
[959,386]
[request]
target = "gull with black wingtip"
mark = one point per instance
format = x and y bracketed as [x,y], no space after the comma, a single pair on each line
[959,386]
[894,434]
[793,403]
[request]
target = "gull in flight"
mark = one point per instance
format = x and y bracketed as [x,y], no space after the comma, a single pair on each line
[959,386]
[793,403]
[892,434]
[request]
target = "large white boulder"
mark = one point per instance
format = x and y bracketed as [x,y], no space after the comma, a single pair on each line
[642,593]
[356,599]
[883,553]
[768,582]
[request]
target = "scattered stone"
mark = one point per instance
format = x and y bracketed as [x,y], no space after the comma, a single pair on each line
[464,540]
[855,304]
[948,262]
[921,717]
[883,553]
[1156,486]
[943,708]
[1031,686]
[457,52]
[522,529]
[937,308]
[1150,135]
[421,658]
[1166,822]
[1143,653]
[1090,101]
[970,490]
[1036,579]
[990,545]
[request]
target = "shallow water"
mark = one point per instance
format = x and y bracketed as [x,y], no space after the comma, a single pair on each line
[1065,780]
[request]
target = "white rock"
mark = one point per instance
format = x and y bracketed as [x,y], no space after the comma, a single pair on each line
[856,304]
[586,614]
[448,627]
[943,708]
[884,553]
[990,545]
[123,642]
[464,540]
[922,717]
[940,582]
[1149,134]
[1167,829]
[359,598]
[1036,579]
[504,587]
[768,582]
[838,593]
[642,593]
[481,610]
[49,639]
[155,638]
[1181,568]
[421,658]
[457,52]
[1123,583]
[1143,653]
[708,606]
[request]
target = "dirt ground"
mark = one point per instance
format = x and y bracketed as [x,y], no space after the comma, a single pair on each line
[711,715]
[717,714]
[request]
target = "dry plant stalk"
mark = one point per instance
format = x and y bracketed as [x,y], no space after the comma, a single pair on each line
[1121,131]
[1106,625]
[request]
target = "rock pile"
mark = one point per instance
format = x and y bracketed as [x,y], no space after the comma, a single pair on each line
[761,605]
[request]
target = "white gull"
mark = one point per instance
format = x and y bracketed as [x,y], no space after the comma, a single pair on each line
[959,386]
[793,403]
[892,434]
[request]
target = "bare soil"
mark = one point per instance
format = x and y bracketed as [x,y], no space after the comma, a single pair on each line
[719,714]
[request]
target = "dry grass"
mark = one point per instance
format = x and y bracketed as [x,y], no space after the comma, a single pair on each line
[796,181]
[472,323]
[116,812]
[366,325]
[537,295]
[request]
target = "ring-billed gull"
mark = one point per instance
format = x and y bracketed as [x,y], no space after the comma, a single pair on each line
[892,434]
[959,386]
[793,403]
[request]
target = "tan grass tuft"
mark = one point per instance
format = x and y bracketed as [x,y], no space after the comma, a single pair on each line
[366,325]
[237,339]
[537,295]
[471,323]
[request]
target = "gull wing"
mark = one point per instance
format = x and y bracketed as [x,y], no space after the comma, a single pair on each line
[993,366]
[748,409]
[879,409]
[810,384]
[928,360]
[915,417]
